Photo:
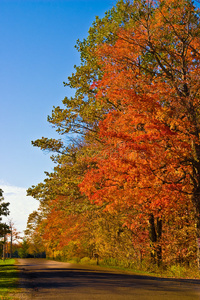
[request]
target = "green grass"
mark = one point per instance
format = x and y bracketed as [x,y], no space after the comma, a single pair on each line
[8,278]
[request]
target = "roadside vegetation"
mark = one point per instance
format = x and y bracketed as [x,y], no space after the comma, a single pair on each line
[146,268]
[8,278]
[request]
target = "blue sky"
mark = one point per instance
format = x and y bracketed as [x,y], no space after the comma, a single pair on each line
[36,55]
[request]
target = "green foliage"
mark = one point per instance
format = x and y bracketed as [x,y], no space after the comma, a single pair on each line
[85,260]
[23,251]
[8,278]
[4,211]
[74,260]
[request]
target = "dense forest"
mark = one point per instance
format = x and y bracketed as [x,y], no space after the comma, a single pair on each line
[126,184]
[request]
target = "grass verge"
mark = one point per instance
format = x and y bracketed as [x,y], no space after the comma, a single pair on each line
[8,278]
[175,271]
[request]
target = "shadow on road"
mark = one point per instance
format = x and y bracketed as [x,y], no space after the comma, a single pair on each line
[79,277]
[53,278]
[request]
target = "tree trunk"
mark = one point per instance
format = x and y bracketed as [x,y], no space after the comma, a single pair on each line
[153,237]
[196,192]
[155,232]
[198,230]
[196,198]
[159,248]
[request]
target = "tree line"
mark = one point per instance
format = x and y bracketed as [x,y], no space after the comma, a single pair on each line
[126,183]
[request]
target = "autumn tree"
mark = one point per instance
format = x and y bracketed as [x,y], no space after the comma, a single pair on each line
[136,112]
[63,210]
[33,234]
[67,224]
[59,194]
[151,73]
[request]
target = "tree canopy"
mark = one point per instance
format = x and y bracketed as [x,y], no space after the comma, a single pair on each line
[4,211]
[132,172]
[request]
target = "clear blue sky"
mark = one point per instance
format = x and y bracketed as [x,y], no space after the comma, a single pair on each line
[37,54]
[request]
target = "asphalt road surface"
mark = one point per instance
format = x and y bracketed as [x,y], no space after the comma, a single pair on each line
[48,280]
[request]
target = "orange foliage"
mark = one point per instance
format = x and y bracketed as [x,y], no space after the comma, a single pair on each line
[60,227]
[147,163]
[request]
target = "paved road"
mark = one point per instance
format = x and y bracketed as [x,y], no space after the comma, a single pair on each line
[50,280]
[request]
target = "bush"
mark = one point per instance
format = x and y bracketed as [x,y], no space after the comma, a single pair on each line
[178,271]
[85,260]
